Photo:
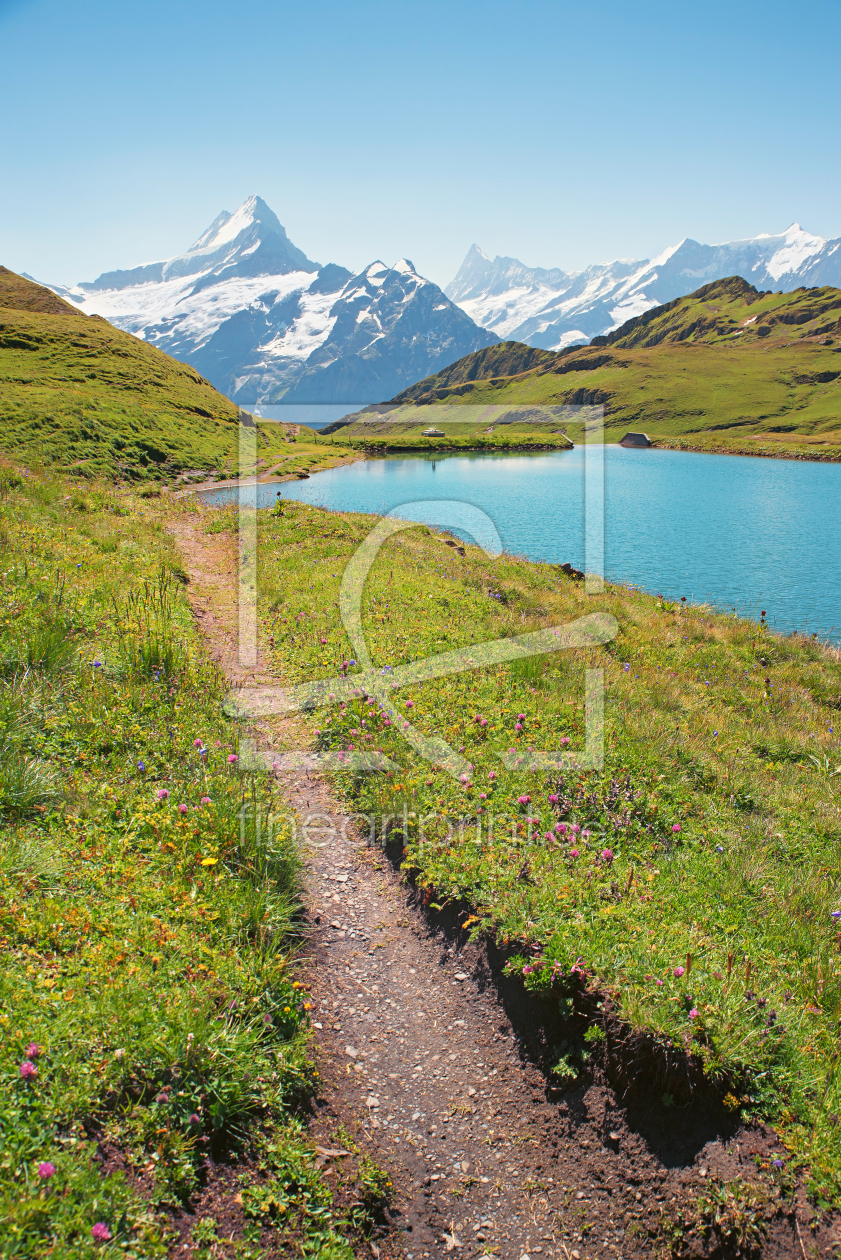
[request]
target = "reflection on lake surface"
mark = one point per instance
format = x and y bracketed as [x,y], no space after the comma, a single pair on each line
[734,531]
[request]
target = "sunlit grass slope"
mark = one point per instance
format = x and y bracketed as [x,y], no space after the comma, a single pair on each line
[80,396]
[149,1012]
[725,367]
[695,878]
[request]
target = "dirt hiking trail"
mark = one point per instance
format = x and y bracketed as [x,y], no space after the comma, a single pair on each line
[435,1062]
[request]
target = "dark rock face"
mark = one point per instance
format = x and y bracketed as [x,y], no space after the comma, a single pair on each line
[635,439]
[392,328]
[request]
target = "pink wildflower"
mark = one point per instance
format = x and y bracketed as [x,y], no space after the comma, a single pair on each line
[575,828]
[197,743]
[573,853]
[464,778]
[693,1014]
[323,640]
[46,1170]
[492,775]
[523,800]
[553,799]
[518,726]
[658,981]
[232,759]
[564,740]
[205,800]
[410,704]
[483,796]
[561,828]
[182,809]
[678,972]
[101,1232]
[28,1070]
[33,1050]
[675,826]
[521,717]
[162,794]
[607,855]
[550,835]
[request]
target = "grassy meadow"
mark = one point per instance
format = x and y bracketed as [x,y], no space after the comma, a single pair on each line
[150,1015]
[695,879]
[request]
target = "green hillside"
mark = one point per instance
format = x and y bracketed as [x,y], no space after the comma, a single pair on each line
[727,367]
[81,396]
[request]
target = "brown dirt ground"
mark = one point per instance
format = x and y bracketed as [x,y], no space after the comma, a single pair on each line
[436,1063]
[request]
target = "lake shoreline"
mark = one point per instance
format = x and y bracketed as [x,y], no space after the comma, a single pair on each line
[831,456]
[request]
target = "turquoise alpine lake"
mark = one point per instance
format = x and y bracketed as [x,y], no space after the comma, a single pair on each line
[743,534]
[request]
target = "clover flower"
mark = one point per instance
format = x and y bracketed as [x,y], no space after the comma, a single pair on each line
[574,853]
[561,828]
[28,1070]
[182,809]
[162,794]
[205,800]
[523,800]
[693,1014]
[676,827]
[410,704]
[33,1050]
[553,799]
[46,1169]
[198,743]
[100,1232]
[491,775]
[678,972]
[607,855]
[232,759]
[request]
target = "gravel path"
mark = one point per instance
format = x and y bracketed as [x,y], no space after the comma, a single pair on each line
[421,1061]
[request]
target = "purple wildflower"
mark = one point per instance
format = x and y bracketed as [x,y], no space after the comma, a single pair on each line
[33,1050]
[101,1232]
[678,972]
[232,759]
[46,1170]
[28,1070]
[607,856]
[162,794]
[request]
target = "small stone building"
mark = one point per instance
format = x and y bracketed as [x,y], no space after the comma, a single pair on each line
[636,439]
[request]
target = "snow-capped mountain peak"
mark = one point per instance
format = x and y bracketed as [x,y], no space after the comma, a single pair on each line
[265,324]
[552,309]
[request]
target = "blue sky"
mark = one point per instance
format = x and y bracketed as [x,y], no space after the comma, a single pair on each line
[559,133]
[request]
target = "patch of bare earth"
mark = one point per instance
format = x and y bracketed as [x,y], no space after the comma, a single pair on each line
[436,1063]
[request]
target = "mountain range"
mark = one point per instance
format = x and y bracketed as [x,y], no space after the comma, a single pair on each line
[551,308]
[266,324]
